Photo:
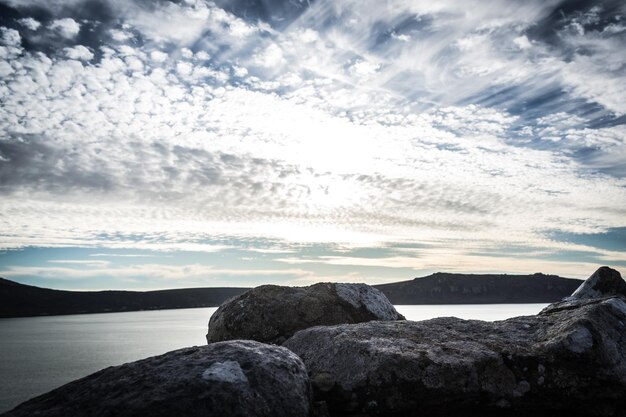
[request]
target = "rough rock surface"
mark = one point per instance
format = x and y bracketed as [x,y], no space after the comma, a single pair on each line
[604,282]
[238,378]
[273,313]
[568,360]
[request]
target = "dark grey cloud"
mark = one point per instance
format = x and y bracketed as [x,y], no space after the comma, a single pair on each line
[155,171]
[95,18]
[278,13]
[568,13]
[31,163]
[384,33]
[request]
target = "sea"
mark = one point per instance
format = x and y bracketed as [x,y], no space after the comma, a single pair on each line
[38,354]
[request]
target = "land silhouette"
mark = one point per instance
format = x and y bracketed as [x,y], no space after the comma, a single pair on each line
[19,300]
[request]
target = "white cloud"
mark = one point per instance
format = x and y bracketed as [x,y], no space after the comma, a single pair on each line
[10,37]
[120,35]
[240,71]
[239,29]
[589,78]
[401,37]
[29,23]
[202,55]
[571,133]
[66,27]
[308,36]
[81,262]
[614,28]
[79,52]
[388,262]
[158,56]
[270,56]
[184,68]
[453,260]
[125,255]
[275,250]
[181,23]
[522,42]
[134,63]
[5,70]
[155,271]
[364,68]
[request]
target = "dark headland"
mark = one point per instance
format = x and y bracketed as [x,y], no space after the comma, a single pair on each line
[19,300]
[445,288]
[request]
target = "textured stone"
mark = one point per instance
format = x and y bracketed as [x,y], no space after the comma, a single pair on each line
[272,313]
[604,282]
[237,378]
[569,359]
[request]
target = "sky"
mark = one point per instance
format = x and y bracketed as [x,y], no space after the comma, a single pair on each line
[148,144]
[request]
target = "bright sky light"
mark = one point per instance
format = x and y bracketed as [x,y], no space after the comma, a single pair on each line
[168,144]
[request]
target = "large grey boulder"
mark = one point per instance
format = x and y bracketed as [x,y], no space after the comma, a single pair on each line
[568,360]
[604,282]
[272,313]
[238,378]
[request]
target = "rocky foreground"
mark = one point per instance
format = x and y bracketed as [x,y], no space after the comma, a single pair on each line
[362,359]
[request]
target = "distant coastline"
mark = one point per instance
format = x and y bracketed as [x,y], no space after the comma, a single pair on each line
[447,288]
[19,300]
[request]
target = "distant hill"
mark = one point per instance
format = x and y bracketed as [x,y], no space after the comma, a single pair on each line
[444,288]
[18,300]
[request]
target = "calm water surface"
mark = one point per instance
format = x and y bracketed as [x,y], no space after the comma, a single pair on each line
[38,354]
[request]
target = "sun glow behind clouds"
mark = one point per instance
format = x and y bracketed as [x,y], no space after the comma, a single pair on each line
[185,127]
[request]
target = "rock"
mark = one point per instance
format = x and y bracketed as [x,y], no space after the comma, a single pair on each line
[237,378]
[604,282]
[272,313]
[563,361]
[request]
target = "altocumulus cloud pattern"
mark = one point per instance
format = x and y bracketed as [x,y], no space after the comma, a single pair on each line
[303,139]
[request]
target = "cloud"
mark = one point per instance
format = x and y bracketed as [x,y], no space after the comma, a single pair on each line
[387,262]
[10,37]
[448,122]
[158,56]
[157,271]
[122,255]
[29,23]
[454,262]
[270,56]
[271,250]
[79,52]
[183,23]
[66,27]
[120,35]
[522,42]
[81,262]
[363,69]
